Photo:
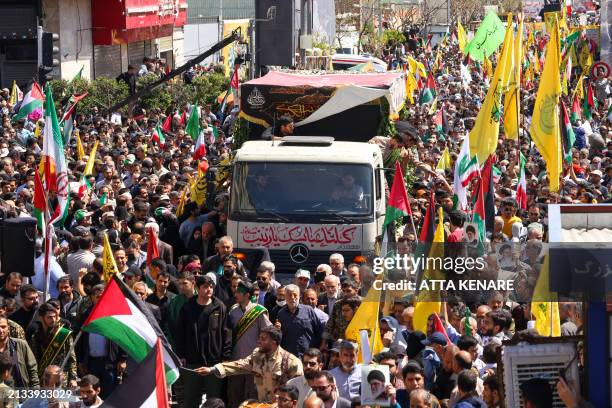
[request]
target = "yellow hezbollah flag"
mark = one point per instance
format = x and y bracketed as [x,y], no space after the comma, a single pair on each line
[488,67]
[428,302]
[543,305]
[90,161]
[483,137]
[366,318]
[199,187]
[180,208]
[445,161]
[79,147]
[579,88]
[545,123]
[109,266]
[461,36]
[512,100]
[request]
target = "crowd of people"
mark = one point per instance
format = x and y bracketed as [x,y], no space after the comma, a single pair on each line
[242,334]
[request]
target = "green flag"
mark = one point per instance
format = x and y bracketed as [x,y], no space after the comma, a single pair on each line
[193,125]
[489,36]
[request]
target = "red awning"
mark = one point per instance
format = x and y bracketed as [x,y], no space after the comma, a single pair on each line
[373,80]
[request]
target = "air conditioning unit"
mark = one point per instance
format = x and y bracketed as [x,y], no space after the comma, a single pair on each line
[524,361]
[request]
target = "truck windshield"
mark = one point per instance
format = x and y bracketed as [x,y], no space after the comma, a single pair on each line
[278,188]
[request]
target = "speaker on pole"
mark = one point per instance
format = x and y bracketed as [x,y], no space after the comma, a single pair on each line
[18,236]
[277,23]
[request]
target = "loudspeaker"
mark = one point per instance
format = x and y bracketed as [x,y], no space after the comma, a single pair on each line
[276,31]
[18,236]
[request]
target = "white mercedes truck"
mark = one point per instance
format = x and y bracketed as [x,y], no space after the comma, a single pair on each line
[304,198]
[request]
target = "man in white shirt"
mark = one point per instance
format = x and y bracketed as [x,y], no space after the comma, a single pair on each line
[82,258]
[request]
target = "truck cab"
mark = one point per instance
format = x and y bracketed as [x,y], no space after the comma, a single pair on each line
[303,198]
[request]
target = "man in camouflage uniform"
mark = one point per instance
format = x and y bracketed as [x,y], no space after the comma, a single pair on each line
[51,343]
[246,319]
[337,324]
[270,365]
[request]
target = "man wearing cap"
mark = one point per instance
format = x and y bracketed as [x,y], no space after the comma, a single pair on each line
[269,364]
[432,357]
[299,323]
[302,279]
[202,339]
[246,319]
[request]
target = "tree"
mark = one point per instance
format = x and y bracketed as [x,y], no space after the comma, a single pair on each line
[158,98]
[208,87]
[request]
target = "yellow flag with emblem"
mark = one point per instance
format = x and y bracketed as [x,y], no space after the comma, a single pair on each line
[445,161]
[79,148]
[366,318]
[180,208]
[90,161]
[545,129]
[461,36]
[484,134]
[512,101]
[428,301]
[544,305]
[109,266]
[199,188]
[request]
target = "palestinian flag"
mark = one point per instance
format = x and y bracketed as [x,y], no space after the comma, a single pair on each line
[426,235]
[193,125]
[40,202]
[521,188]
[568,134]
[429,91]
[158,136]
[183,118]
[488,190]
[479,216]
[145,387]
[589,103]
[398,205]
[575,113]
[122,317]
[69,117]
[32,101]
[438,121]
[466,168]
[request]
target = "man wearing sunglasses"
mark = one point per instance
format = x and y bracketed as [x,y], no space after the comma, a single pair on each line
[312,360]
[325,388]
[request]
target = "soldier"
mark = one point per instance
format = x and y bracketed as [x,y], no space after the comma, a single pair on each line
[246,319]
[271,366]
[51,342]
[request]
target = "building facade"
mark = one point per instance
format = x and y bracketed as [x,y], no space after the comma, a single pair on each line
[100,36]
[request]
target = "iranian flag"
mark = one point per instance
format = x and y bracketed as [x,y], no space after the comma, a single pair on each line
[122,317]
[145,387]
[32,100]
[152,250]
[53,161]
[466,168]
[521,188]
[567,132]
[200,147]
[40,203]
[158,136]
[479,215]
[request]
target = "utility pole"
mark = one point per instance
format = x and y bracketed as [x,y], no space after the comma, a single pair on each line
[220,27]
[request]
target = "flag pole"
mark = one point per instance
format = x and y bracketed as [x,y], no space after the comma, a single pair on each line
[47,236]
[76,339]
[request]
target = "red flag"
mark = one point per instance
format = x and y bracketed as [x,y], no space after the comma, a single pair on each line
[439,327]
[428,227]
[167,125]
[234,83]
[431,82]
[590,97]
[152,250]
[183,118]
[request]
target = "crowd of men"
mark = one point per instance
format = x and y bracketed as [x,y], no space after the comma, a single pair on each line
[242,335]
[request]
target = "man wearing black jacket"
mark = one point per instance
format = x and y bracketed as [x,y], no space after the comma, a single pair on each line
[202,339]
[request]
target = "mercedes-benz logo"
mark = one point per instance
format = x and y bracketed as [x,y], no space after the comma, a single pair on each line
[299,253]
